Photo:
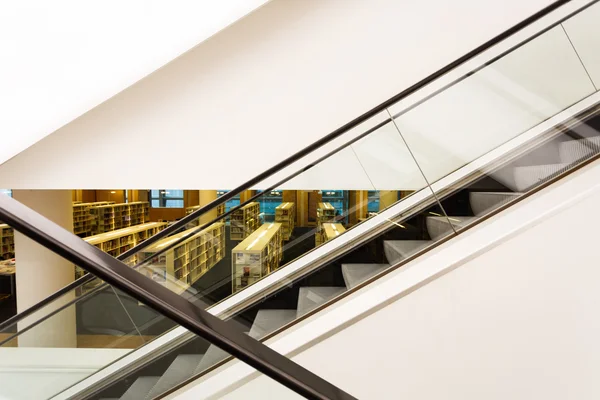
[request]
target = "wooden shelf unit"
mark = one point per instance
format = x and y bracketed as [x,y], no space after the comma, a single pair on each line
[107,218]
[82,218]
[7,238]
[325,214]
[121,240]
[196,222]
[257,255]
[285,213]
[244,221]
[179,267]
[328,231]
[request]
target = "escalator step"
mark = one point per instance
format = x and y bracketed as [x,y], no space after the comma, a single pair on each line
[140,388]
[355,274]
[439,227]
[575,150]
[181,369]
[267,321]
[484,202]
[398,250]
[527,177]
[310,297]
[213,355]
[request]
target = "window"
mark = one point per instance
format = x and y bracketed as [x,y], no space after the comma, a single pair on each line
[339,200]
[373,204]
[268,202]
[166,198]
[229,204]
[7,192]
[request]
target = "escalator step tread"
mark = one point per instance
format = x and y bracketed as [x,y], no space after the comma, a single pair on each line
[140,388]
[267,321]
[484,202]
[439,227]
[181,369]
[575,150]
[397,250]
[355,274]
[527,177]
[310,297]
[213,355]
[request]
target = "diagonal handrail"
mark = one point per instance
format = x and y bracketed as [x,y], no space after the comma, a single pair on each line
[118,274]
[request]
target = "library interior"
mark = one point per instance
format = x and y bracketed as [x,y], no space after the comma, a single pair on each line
[224,250]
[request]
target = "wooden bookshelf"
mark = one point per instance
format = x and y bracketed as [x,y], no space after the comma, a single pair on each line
[257,255]
[285,213]
[328,231]
[121,240]
[184,264]
[196,222]
[244,221]
[7,238]
[110,217]
[325,215]
[82,218]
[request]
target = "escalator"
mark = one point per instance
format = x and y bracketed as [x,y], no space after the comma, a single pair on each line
[445,187]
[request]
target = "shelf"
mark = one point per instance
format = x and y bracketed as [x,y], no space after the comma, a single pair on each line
[109,217]
[257,255]
[246,220]
[285,213]
[196,222]
[179,258]
[103,240]
[7,240]
[328,231]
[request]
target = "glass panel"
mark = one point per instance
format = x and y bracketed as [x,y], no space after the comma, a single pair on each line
[80,335]
[310,216]
[506,129]
[83,332]
[178,366]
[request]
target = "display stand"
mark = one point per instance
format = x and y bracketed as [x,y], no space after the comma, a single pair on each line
[257,255]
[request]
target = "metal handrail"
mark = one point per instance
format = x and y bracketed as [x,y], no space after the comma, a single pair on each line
[218,332]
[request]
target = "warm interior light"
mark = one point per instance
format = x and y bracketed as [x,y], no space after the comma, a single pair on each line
[112,192]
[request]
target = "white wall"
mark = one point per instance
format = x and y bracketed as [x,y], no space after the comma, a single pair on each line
[59,59]
[516,319]
[38,373]
[274,82]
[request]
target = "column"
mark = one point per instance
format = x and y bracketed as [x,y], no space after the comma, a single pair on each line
[358,203]
[246,195]
[205,197]
[40,272]
[387,198]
